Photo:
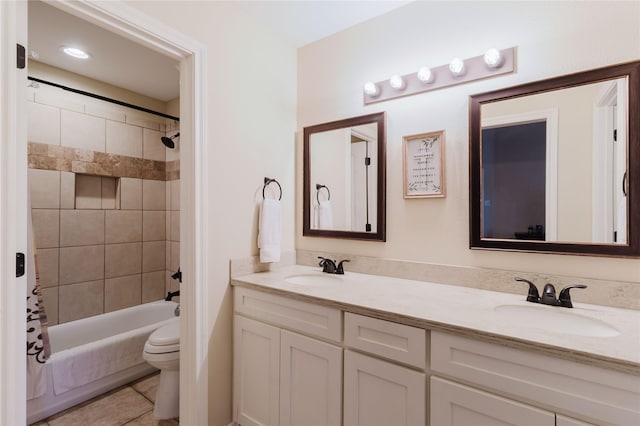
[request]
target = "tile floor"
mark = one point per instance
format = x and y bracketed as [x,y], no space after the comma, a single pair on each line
[130,405]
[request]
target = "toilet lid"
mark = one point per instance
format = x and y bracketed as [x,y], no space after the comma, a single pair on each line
[166,335]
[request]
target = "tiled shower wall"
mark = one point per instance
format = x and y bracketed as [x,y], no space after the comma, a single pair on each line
[105,204]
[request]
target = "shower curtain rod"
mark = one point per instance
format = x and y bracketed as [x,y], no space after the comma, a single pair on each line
[103,98]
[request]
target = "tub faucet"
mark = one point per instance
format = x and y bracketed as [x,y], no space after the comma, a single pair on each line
[171,295]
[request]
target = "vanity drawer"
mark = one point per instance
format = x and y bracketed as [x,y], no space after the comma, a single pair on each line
[306,318]
[387,339]
[608,396]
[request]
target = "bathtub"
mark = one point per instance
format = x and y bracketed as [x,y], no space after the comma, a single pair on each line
[94,355]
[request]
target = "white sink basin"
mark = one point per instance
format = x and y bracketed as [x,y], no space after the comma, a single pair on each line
[313,279]
[556,319]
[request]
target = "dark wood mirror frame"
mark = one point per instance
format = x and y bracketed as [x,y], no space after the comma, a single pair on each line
[632,249]
[380,233]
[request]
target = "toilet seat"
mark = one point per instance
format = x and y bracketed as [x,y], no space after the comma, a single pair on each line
[165,339]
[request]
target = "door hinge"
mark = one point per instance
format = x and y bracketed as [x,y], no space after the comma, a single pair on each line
[21,57]
[615,135]
[19,265]
[367,161]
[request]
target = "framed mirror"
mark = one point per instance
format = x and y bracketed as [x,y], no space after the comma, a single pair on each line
[344,179]
[555,165]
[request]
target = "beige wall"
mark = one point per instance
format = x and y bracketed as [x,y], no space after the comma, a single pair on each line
[251,113]
[550,41]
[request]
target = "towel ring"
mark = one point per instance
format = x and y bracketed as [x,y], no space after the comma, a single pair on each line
[267,181]
[318,188]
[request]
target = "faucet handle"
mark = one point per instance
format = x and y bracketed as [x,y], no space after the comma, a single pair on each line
[533,295]
[565,297]
[340,270]
[328,265]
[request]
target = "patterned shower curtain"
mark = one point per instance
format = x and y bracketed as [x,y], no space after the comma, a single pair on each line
[38,349]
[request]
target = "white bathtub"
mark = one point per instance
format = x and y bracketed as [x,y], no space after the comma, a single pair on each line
[82,363]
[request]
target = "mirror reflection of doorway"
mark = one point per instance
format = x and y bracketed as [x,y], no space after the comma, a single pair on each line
[515,156]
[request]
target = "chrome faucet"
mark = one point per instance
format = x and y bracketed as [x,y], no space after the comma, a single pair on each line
[329,266]
[549,294]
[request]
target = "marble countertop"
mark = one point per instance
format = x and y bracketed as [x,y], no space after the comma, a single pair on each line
[467,311]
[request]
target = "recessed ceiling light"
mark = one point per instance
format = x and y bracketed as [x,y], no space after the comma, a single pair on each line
[75,52]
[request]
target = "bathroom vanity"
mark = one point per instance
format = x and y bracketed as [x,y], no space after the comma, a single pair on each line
[358,349]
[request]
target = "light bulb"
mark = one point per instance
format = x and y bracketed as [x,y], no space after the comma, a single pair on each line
[370,88]
[493,58]
[425,75]
[456,66]
[396,82]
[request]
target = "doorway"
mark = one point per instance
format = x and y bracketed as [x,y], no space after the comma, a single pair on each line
[121,19]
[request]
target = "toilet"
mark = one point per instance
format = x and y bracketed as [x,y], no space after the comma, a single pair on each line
[162,350]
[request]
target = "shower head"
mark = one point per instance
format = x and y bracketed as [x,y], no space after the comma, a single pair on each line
[168,141]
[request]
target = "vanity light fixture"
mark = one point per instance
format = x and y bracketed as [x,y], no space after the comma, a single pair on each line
[371,89]
[493,58]
[456,66]
[75,52]
[425,75]
[396,82]
[492,63]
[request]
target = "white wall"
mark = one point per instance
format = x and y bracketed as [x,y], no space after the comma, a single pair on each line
[552,38]
[251,104]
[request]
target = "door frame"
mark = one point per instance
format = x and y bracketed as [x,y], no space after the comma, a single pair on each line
[550,117]
[131,23]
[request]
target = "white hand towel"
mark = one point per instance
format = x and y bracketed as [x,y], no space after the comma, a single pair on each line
[270,231]
[325,215]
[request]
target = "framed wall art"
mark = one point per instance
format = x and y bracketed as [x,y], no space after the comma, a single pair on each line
[423,165]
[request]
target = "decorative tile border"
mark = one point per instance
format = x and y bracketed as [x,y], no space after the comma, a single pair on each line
[66,159]
[618,294]
[173,170]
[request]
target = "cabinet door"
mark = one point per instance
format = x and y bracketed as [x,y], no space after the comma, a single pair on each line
[566,421]
[256,373]
[310,381]
[379,393]
[453,404]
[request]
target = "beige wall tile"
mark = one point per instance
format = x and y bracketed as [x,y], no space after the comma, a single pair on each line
[88,192]
[43,123]
[167,257]
[57,97]
[50,300]
[123,226]
[175,256]
[84,263]
[124,139]
[175,226]
[167,187]
[130,194]
[122,292]
[153,286]
[168,226]
[154,226]
[109,193]
[81,227]
[153,196]
[48,261]
[105,110]
[67,190]
[152,146]
[143,120]
[82,131]
[123,259]
[80,300]
[45,189]
[46,227]
[153,256]
[175,194]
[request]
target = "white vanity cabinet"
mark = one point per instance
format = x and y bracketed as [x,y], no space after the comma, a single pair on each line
[477,382]
[282,377]
[382,392]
